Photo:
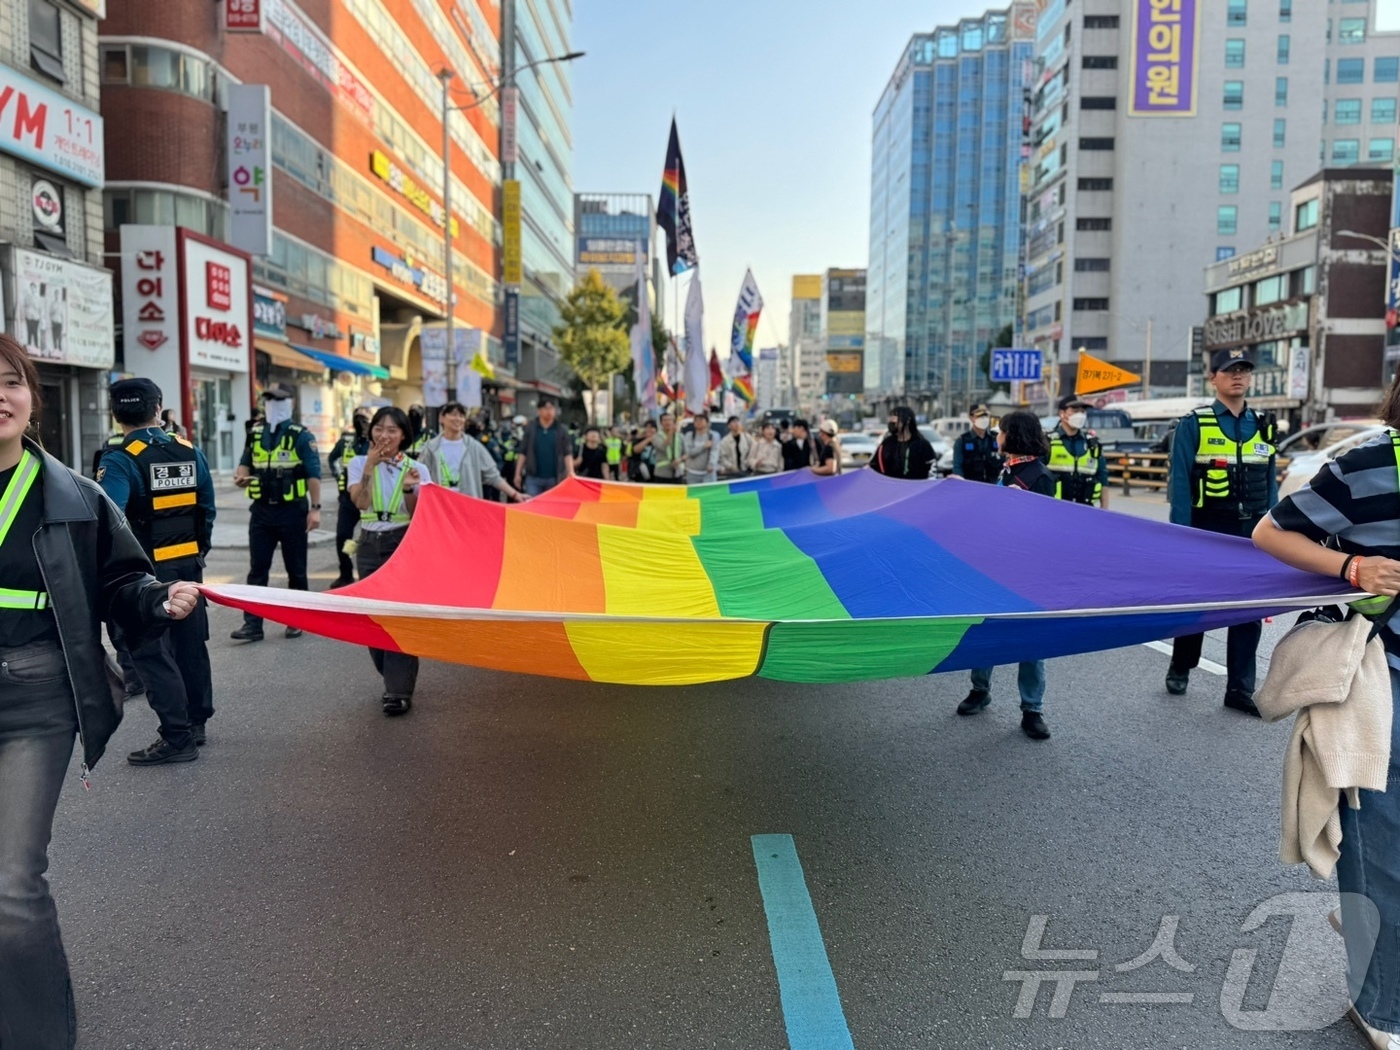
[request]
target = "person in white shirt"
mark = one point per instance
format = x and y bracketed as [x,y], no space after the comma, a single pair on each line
[701,453]
[456,459]
[384,486]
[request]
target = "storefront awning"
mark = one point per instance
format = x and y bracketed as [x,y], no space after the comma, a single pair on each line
[337,363]
[284,356]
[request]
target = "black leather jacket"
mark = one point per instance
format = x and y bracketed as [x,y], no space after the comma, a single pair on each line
[94,571]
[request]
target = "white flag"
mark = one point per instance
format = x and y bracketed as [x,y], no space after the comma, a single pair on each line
[643,353]
[697,362]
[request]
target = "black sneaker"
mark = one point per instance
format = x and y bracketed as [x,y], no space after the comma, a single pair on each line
[247,633]
[198,734]
[1177,680]
[339,581]
[1034,726]
[293,632]
[395,704]
[160,753]
[1243,703]
[974,702]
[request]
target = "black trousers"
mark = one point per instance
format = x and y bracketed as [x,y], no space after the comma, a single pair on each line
[1242,640]
[400,671]
[345,517]
[269,527]
[174,665]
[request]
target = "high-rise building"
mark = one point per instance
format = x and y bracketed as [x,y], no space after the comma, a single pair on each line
[843,334]
[945,220]
[806,348]
[1362,73]
[52,165]
[1161,145]
[612,230]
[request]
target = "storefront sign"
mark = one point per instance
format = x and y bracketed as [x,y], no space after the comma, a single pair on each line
[386,169]
[432,349]
[249,172]
[511,338]
[1164,58]
[1299,360]
[45,128]
[47,202]
[63,310]
[1263,325]
[217,294]
[429,283]
[1264,258]
[243,16]
[510,143]
[512,267]
[845,361]
[269,314]
[150,292]
[321,327]
[304,43]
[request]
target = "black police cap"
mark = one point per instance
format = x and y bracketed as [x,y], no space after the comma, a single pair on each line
[135,393]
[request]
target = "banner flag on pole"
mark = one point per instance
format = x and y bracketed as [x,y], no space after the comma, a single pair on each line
[673,209]
[716,372]
[697,368]
[1095,375]
[745,323]
[643,353]
[740,379]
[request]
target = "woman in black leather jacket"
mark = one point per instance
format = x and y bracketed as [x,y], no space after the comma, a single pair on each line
[68,562]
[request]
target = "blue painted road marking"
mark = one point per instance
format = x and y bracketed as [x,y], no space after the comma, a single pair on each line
[811,1004]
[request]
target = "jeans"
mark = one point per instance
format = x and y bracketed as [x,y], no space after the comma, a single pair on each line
[1370,867]
[1030,676]
[539,486]
[269,527]
[400,670]
[37,725]
[1241,645]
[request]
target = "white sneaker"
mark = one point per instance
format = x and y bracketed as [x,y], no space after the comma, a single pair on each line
[1379,1040]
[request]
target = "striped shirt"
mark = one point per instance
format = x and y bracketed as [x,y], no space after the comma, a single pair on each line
[1352,505]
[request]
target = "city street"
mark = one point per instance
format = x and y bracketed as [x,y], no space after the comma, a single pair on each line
[525,862]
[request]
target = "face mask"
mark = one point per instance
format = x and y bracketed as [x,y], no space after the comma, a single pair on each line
[979,422]
[1077,420]
[894,429]
[277,411]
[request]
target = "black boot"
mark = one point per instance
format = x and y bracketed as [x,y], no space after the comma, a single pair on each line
[974,702]
[1241,702]
[1034,726]
[396,704]
[1177,679]
[247,633]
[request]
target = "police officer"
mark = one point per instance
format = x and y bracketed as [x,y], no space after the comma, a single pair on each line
[422,433]
[354,441]
[281,470]
[1223,479]
[1076,457]
[976,456]
[162,483]
[613,444]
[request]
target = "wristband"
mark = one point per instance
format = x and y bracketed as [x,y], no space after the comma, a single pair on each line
[1354,574]
[315,506]
[1346,566]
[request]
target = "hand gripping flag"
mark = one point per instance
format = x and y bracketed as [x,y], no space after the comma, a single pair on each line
[673,209]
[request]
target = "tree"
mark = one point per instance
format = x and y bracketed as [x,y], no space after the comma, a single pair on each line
[1000,341]
[591,336]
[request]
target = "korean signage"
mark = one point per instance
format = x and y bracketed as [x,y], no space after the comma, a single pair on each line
[845,361]
[398,181]
[511,338]
[1264,325]
[429,283]
[46,199]
[320,327]
[269,314]
[150,295]
[510,227]
[1010,365]
[243,16]
[1290,382]
[1165,50]
[609,253]
[47,129]
[216,282]
[1263,259]
[306,44]
[249,173]
[510,143]
[432,347]
[63,310]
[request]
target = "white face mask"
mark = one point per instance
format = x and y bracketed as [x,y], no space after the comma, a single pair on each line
[1078,419]
[979,422]
[277,411]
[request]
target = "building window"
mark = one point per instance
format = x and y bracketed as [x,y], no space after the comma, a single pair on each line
[1283,47]
[1276,175]
[1100,62]
[1346,151]
[1228,300]
[1280,91]
[46,40]
[1095,144]
[1275,216]
[1095,185]
[1229,178]
[1380,149]
[1351,71]
[1098,102]
[1082,265]
[1302,282]
[1305,216]
[1234,94]
[1227,220]
[1270,289]
[1351,31]
[1093,224]
[1235,12]
[1347,111]
[1387,70]
[1285,10]
[114,66]
[1280,132]
[1089,342]
[1229,138]
[1100,21]
[1224,252]
[1382,111]
[1234,54]
[1091,304]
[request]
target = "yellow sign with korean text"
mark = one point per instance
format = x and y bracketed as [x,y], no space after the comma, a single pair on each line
[511,265]
[1095,375]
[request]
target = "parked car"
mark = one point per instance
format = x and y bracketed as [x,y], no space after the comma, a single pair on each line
[941,446]
[1112,426]
[856,449]
[1304,462]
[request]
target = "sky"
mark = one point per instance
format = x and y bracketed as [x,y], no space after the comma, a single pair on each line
[773,99]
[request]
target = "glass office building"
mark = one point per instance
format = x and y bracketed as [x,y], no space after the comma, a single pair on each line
[945,209]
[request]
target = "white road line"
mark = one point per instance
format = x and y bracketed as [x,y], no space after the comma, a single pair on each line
[1205,665]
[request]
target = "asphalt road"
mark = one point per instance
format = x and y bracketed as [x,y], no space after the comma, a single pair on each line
[524,863]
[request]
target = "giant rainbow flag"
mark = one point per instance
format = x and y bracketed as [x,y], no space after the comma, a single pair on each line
[790,577]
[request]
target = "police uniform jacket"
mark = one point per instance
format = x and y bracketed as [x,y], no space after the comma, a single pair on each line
[1185,444]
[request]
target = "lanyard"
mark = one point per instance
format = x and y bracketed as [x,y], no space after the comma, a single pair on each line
[394,499]
[20,484]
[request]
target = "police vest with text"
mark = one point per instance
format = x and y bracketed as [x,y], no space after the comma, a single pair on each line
[1232,477]
[164,513]
[1076,477]
[279,475]
[981,461]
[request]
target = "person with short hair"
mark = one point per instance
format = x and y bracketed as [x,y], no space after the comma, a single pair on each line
[592,458]
[826,453]
[766,455]
[701,453]
[457,460]
[1076,458]
[734,451]
[641,457]
[904,452]
[669,447]
[798,453]
[546,451]
[976,454]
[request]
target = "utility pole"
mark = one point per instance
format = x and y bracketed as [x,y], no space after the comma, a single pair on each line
[445,75]
[1147,368]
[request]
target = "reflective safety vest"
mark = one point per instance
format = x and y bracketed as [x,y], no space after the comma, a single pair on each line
[26,473]
[1076,477]
[279,475]
[349,451]
[422,439]
[1230,476]
[164,512]
[510,449]
[614,446]
[387,506]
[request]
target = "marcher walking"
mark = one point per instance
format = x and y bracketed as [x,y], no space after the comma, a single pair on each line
[69,562]
[1076,457]
[827,450]
[162,483]
[669,448]
[281,470]
[457,460]
[592,458]
[904,452]
[1223,479]
[641,459]
[384,486]
[976,454]
[734,451]
[701,453]
[766,455]
[546,452]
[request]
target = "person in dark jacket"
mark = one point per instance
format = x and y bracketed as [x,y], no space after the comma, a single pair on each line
[1023,443]
[354,441]
[546,452]
[798,451]
[976,454]
[69,562]
[904,453]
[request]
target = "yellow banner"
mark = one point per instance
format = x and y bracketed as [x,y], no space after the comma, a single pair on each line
[807,287]
[512,270]
[1095,375]
[845,361]
[845,322]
